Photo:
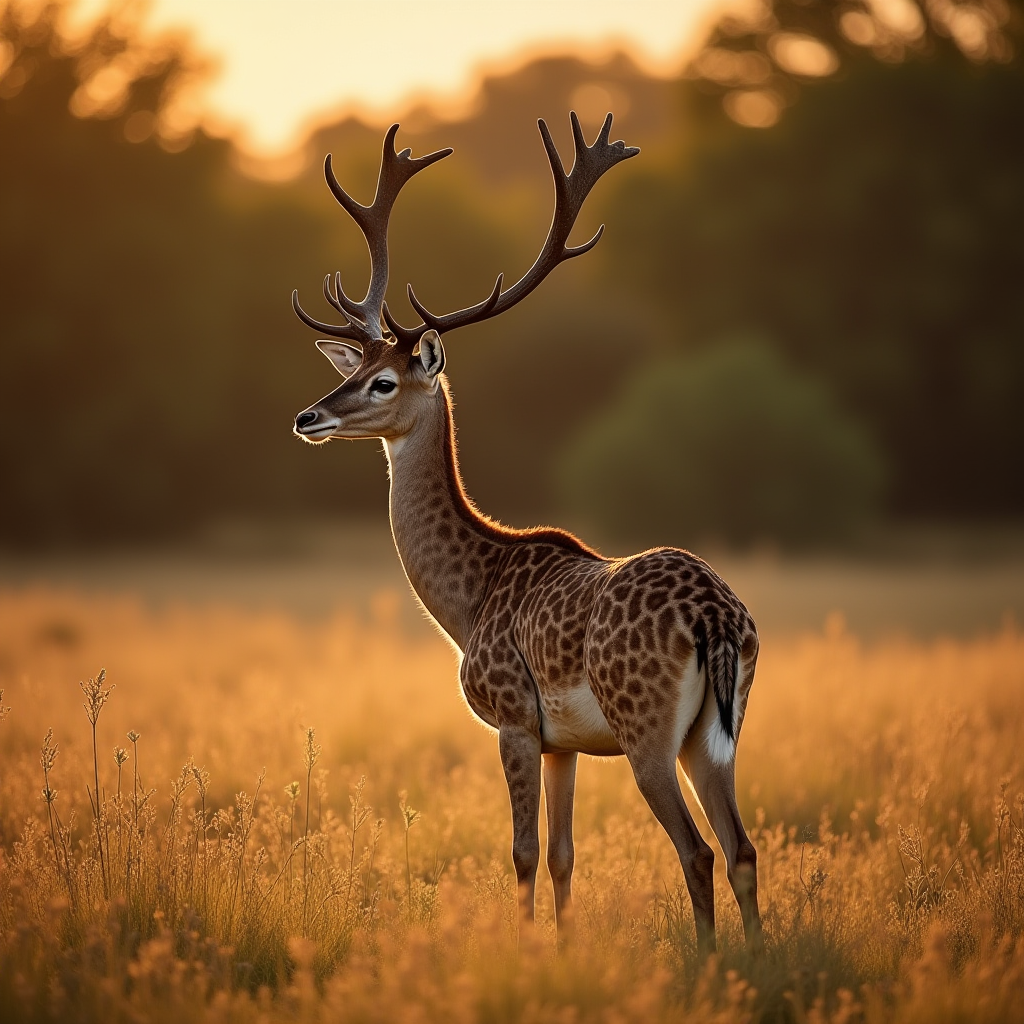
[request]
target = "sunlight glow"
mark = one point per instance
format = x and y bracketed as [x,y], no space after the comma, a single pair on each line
[286,65]
[754,108]
[803,55]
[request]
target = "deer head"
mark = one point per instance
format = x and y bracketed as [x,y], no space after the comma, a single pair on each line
[390,370]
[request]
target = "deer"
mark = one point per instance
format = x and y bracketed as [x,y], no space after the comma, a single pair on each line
[561,650]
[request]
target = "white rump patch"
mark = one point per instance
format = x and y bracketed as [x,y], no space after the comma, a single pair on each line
[721,748]
[691,696]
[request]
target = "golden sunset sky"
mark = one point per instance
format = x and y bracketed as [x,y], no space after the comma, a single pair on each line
[284,65]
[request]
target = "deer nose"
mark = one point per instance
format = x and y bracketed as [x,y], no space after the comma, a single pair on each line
[304,419]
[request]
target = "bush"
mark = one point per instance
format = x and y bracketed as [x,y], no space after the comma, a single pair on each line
[732,444]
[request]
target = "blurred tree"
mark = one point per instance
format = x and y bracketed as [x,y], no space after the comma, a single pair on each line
[875,234]
[144,291]
[731,444]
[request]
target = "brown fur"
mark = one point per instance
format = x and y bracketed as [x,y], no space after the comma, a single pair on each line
[550,631]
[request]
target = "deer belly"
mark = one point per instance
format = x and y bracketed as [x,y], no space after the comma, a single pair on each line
[571,719]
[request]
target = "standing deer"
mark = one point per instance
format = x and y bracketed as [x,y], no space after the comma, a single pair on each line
[562,651]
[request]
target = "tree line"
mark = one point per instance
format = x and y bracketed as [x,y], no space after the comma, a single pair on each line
[828,203]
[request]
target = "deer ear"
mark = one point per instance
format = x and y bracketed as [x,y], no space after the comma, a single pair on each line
[346,358]
[431,354]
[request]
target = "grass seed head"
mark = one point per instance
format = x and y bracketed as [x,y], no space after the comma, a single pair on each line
[409,815]
[120,756]
[4,712]
[321,783]
[181,783]
[48,754]
[311,753]
[96,695]
[201,777]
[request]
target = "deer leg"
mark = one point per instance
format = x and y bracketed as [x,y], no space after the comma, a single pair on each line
[520,758]
[656,778]
[559,787]
[715,786]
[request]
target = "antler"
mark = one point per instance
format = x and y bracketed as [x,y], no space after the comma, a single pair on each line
[363,319]
[570,191]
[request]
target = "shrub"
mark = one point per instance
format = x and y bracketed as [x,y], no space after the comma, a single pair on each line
[731,443]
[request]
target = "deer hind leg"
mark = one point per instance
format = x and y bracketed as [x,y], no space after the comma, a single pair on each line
[559,788]
[649,715]
[656,777]
[715,785]
[716,789]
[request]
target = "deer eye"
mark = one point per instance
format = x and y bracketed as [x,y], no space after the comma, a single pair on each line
[383,386]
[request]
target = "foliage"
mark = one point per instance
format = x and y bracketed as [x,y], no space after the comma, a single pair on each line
[147,376]
[872,235]
[151,366]
[759,59]
[881,783]
[730,443]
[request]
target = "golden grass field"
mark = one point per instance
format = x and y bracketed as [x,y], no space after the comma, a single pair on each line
[239,868]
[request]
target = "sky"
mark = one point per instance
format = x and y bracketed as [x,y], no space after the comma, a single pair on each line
[285,65]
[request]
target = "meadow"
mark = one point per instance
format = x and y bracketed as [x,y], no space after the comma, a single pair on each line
[254,816]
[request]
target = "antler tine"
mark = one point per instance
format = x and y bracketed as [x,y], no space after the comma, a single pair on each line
[571,190]
[481,310]
[579,142]
[342,303]
[395,170]
[350,331]
[332,298]
[404,336]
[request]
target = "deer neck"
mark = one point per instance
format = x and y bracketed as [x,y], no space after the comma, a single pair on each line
[449,550]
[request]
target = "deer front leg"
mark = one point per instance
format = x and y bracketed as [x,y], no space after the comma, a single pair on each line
[519,747]
[559,787]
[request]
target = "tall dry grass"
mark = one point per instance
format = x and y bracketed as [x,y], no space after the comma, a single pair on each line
[283,821]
